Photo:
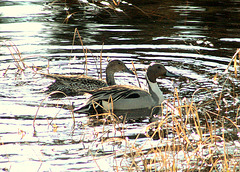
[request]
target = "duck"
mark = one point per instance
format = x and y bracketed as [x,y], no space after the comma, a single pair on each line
[73,85]
[130,99]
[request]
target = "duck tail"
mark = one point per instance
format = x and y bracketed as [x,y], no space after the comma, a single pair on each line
[82,109]
[90,108]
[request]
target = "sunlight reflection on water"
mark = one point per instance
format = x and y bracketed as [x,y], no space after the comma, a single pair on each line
[186,45]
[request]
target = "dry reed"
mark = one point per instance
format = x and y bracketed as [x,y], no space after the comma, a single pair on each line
[187,138]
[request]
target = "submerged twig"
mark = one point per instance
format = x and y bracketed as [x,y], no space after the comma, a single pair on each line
[35,117]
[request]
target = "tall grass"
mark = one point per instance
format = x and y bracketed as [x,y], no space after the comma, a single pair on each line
[188,137]
[85,52]
[19,60]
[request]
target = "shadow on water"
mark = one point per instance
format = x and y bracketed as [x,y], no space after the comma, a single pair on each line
[200,126]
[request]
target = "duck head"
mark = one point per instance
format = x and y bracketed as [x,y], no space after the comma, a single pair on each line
[157,70]
[118,66]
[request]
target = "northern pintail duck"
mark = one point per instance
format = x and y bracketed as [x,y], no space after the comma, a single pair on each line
[77,84]
[130,98]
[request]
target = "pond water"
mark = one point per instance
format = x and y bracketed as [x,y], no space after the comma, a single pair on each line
[195,39]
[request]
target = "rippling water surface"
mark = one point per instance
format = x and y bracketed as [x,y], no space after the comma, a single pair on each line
[194,39]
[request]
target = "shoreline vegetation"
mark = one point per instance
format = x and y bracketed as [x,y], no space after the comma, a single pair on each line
[198,131]
[127,9]
[190,136]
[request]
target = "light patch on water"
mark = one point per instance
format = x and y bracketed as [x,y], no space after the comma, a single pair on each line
[54,145]
[21,10]
[230,39]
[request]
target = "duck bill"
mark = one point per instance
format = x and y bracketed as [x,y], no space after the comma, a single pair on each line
[170,74]
[129,71]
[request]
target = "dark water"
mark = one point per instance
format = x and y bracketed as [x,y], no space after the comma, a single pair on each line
[194,39]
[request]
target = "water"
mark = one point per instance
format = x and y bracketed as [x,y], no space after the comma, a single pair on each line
[194,39]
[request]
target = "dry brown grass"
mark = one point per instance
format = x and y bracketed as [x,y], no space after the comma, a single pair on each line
[188,137]
[18,60]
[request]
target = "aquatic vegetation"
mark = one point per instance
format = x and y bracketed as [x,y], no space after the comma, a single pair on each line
[198,131]
[191,135]
[184,138]
[19,60]
[103,9]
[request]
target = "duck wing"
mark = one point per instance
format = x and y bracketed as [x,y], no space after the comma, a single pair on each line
[117,92]
[73,84]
